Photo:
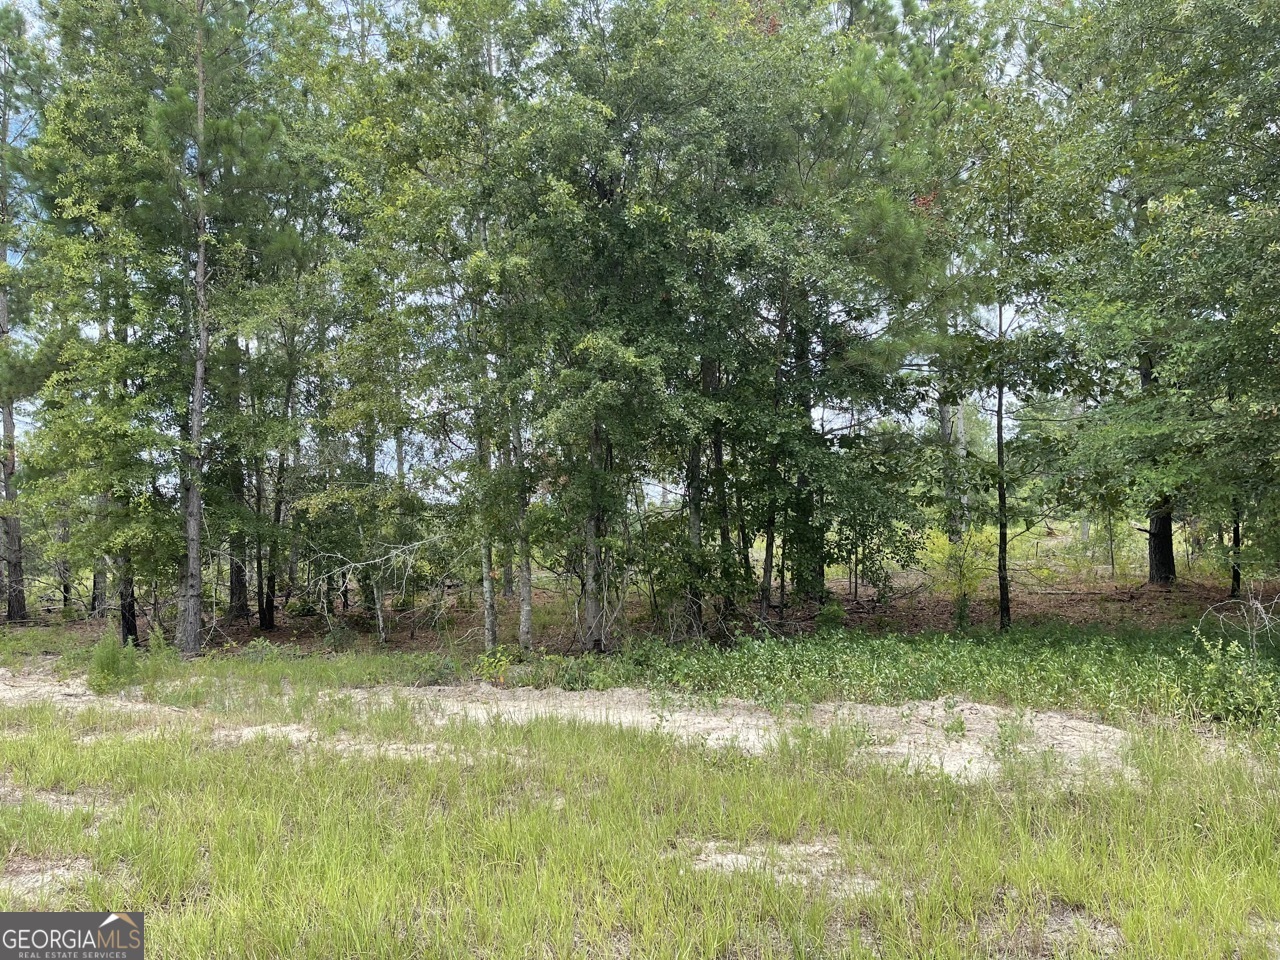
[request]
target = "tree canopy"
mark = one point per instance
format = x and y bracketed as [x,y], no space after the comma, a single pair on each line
[694,307]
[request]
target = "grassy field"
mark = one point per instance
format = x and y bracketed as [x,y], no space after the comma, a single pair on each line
[256,806]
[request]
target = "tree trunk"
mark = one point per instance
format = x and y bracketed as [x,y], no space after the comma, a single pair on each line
[190,601]
[807,545]
[484,466]
[128,600]
[274,545]
[766,571]
[744,545]
[238,587]
[268,622]
[16,587]
[1235,550]
[506,456]
[1161,559]
[1002,492]
[951,433]
[593,586]
[720,483]
[806,536]
[64,564]
[782,577]
[98,592]
[237,547]
[592,610]
[1160,554]
[525,553]
[266,612]
[487,592]
[526,586]
[693,500]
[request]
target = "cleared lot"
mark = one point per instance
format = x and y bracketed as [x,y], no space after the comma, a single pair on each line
[408,822]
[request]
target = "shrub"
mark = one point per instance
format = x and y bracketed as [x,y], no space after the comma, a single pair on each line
[494,665]
[1228,681]
[161,657]
[434,669]
[303,606]
[341,639]
[113,666]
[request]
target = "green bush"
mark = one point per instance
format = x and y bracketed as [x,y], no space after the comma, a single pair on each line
[341,639]
[1227,681]
[303,606]
[261,650]
[494,665]
[434,669]
[113,666]
[160,659]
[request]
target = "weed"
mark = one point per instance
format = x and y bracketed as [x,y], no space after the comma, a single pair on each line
[1230,681]
[261,650]
[1011,736]
[494,665]
[113,667]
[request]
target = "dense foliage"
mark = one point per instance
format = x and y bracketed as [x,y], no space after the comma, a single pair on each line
[691,301]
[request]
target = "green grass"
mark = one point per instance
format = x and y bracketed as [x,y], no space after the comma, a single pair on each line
[1116,674]
[562,840]
[556,839]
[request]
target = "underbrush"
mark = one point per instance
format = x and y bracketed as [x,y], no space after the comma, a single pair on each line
[1183,674]
[1186,674]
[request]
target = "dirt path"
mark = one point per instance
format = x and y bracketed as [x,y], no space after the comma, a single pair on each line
[965,740]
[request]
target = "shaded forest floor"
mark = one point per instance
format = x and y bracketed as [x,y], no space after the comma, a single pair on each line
[915,607]
[454,621]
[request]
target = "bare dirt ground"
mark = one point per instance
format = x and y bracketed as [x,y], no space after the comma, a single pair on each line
[1059,930]
[815,865]
[965,740]
[962,739]
[29,879]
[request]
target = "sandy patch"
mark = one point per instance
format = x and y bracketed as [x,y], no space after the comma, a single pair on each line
[1059,931]
[1266,930]
[73,693]
[746,726]
[965,740]
[23,689]
[968,740]
[962,739]
[814,866]
[295,734]
[15,796]
[25,878]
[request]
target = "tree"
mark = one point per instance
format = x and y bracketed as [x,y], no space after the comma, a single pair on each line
[22,75]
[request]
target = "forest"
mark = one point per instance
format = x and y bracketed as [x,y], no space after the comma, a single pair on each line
[687,313]
[656,479]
